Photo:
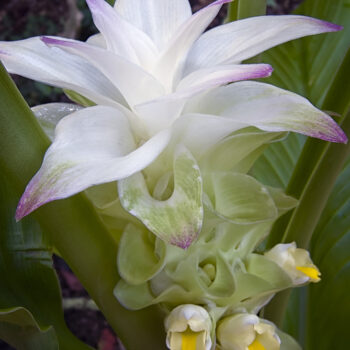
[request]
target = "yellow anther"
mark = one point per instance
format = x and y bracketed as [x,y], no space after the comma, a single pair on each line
[311,272]
[256,345]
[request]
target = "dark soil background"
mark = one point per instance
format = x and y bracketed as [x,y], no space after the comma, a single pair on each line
[20,19]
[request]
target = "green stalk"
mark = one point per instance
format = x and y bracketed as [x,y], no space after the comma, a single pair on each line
[72,224]
[240,9]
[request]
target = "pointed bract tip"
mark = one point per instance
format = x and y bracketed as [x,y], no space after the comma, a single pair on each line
[51,41]
[333,27]
[220,2]
[26,205]
[337,137]
[328,26]
[21,210]
[33,198]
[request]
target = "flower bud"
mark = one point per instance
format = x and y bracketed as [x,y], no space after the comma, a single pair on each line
[188,328]
[247,332]
[295,261]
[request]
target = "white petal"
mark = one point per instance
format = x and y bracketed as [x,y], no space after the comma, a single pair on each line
[199,132]
[135,84]
[92,146]
[50,114]
[174,54]
[97,40]
[122,37]
[208,78]
[162,112]
[33,59]
[239,40]
[268,108]
[157,18]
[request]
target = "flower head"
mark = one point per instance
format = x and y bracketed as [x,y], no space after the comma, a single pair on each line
[295,261]
[157,82]
[188,328]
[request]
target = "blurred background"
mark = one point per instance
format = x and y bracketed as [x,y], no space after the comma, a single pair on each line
[20,19]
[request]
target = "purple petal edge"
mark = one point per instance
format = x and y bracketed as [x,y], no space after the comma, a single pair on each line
[263,72]
[219,2]
[330,27]
[28,203]
[338,136]
[52,41]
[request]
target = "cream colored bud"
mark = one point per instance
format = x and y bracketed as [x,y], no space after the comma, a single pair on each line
[296,262]
[188,328]
[247,332]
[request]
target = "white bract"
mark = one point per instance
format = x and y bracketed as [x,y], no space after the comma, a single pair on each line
[247,332]
[158,81]
[188,327]
[295,261]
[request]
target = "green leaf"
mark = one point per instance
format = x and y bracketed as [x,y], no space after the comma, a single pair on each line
[308,66]
[316,67]
[327,303]
[275,166]
[28,278]
[245,8]
[19,329]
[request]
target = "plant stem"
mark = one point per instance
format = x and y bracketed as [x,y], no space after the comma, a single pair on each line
[71,224]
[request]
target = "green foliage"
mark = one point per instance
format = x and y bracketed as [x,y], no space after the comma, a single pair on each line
[245,8]
[316,67]
[309,66]
[328,304]
[28,281]
[19,328]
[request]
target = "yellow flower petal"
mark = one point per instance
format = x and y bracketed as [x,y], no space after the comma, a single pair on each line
[256,345]
[189,340]
[311,272]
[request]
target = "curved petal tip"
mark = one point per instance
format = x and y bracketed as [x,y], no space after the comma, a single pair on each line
[331,27]
[29,201]
[337,135]
[220,2]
